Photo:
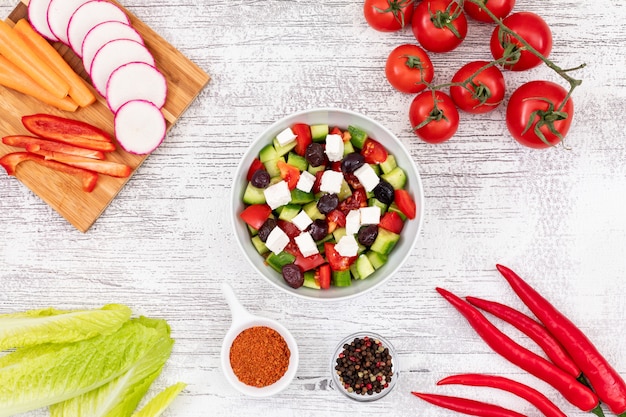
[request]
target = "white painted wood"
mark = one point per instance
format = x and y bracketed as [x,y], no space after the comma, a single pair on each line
[164,246]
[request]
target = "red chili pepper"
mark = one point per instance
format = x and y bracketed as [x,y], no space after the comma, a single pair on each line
[604,379]
[532,329]
[575,392]
[466,406]
[543,404]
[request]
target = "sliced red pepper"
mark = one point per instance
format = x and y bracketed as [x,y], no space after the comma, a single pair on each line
[309,262]
[466,406]
[109,168]
[47,125]
[254,167]
[10,162]
[303,139]
[336,261]
[374,152]
[335,219]
[23,141]
[322,275]
[357,200]
[289,173]
[405,203]
[255,215]
[391,221]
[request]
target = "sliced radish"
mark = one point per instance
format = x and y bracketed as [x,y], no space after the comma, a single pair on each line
[59,14]
[139,127]
[105,32]
[136,81]
[113,55]
[89,15]
[38,17]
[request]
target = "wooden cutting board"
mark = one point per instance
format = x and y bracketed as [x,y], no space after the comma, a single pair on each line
[63,192]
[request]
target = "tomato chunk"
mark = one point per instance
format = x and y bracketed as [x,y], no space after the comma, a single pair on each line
[255,215]
[309,262]
[336,261]
[322,275]
[405,203]
[374,152]
[392,221]
[303,139]
[289,173]
[335,219]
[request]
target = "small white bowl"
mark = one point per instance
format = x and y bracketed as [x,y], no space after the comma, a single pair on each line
[243,320]
[342,119]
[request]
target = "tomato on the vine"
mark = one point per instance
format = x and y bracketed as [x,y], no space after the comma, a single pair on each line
[408,67]
[484,92]
[388,15]
[433,124]
[500,8]
[533,29]
[439,25]
[534,117]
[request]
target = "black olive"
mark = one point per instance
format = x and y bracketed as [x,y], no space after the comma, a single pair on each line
[266,228]
[367,234]
[293,275]
[352,162]
[318,229]
[260,178]
[327,203]
[314,154]
[384,192]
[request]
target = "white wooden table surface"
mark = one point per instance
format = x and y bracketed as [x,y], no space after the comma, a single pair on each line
[165,244]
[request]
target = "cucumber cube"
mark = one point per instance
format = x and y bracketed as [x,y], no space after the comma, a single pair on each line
[312,211]
[301,197]
[364,267]
[357,136]
[297,161]
[376,259]
[268,153]
[396,177]
[283,149]
[388,164]
[319,132]
[259,245]
[309,280]
[342,278]
[277,261]
[385,241]
[271,166]
[288,212]
[253,195]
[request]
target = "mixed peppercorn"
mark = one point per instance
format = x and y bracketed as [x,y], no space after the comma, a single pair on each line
[365,366]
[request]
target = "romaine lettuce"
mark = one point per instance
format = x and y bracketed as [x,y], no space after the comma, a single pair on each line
[161,401]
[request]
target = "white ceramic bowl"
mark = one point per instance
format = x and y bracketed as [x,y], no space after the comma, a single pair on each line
[342,119]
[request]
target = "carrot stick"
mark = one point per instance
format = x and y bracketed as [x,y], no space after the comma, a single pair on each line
[14,78]
[18,52]
[110,168]
[78,89]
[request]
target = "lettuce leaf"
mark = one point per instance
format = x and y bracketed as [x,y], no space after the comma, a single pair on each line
[161,401]
[46,374]
[120,397]
[35,327]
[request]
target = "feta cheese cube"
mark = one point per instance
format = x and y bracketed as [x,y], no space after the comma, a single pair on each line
[347,246]
[277,240]
[302,220]
[286,136]
[305,182]
[367,176]
[370,215]
[277,195]
[334,148]
[353,221]
[306,244]
[332,181]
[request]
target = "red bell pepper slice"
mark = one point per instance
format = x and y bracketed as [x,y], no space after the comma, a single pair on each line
[336,261]
[391,221]
[405,203]
[69,131]
[373,152]
[255,215]
[303,139]
[289,173]
[10,162]
[109,168]
[322,275]
[23,141]
[254,167]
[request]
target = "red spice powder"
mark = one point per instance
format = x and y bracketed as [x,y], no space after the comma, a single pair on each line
[259,356]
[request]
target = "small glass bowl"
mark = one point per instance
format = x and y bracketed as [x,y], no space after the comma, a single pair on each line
[339,386]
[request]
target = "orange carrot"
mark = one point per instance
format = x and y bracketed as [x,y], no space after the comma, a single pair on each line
[17,51]
[14,78]
[78,87]
[110,168]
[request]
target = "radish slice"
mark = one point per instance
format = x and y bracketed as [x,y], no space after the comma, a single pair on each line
[89,15]
[105,32]
[59,14]
[38,17]
[139,127]
[113,55]
[136,81]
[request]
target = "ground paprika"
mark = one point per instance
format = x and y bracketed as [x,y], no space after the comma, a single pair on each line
[259,356]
